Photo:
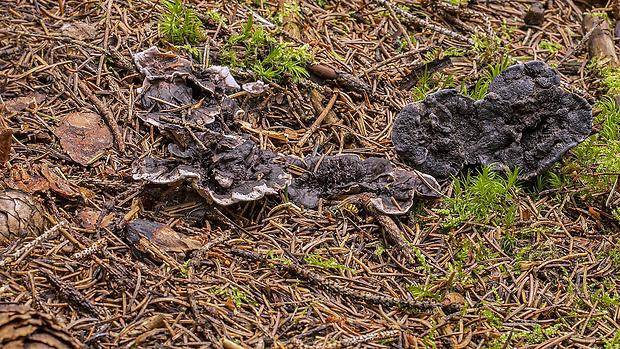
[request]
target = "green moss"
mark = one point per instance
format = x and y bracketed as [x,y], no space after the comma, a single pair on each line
[423,291]
[547,45]
[180,25]
[482,85]
[486,46]
[484,195]
[610,75]
[237,295]
[331,263]
[217,17]
[263,55]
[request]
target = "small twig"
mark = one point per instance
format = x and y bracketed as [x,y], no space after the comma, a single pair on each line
[76,297]
[397,57]
[198,255]
[106,113]
[96,246]
[424,23]
[583,41]
[317,123]
[401,27]
[348,342]
[331,286]
[45,236]
[184,124]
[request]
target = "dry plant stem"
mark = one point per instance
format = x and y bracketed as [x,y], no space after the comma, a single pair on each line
[388,225]
[317,123]
[401,27]
[315,99]
[348,342]
[68,291]
[28,247]
[158,253]
[106,113]
[593,25]
[396,58]
[96,246]
[423,23]
[335,288]
[199,255]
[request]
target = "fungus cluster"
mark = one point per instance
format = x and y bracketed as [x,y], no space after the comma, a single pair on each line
[191,107]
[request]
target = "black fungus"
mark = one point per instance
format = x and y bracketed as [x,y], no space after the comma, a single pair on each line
[526,121]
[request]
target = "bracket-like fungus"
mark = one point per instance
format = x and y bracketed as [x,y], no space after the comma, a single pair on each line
[526,121]
[227,168]
[172,90]
[348,174]
[244,173]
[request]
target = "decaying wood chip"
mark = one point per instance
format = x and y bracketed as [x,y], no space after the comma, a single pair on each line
[601,44]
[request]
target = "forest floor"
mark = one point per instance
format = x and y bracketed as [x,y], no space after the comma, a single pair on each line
[493,264]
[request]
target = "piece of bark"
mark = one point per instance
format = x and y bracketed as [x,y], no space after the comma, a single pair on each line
[601,44]
[535,16]
[5,145]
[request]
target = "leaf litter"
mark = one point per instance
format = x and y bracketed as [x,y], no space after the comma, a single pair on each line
[237,275]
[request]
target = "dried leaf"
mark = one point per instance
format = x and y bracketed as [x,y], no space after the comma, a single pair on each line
[21,103]
[161,235]
[61,185]
[88,219]
[19,179]
[83,136]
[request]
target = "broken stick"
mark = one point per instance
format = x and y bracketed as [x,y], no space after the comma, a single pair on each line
[106,113]
[317,123]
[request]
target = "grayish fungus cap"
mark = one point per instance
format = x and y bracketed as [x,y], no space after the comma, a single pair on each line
[525,121]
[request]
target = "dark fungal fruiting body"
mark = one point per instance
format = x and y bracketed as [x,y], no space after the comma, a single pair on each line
[192,108]
[247,173]
[525,121]
[429,134]
[393,188]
